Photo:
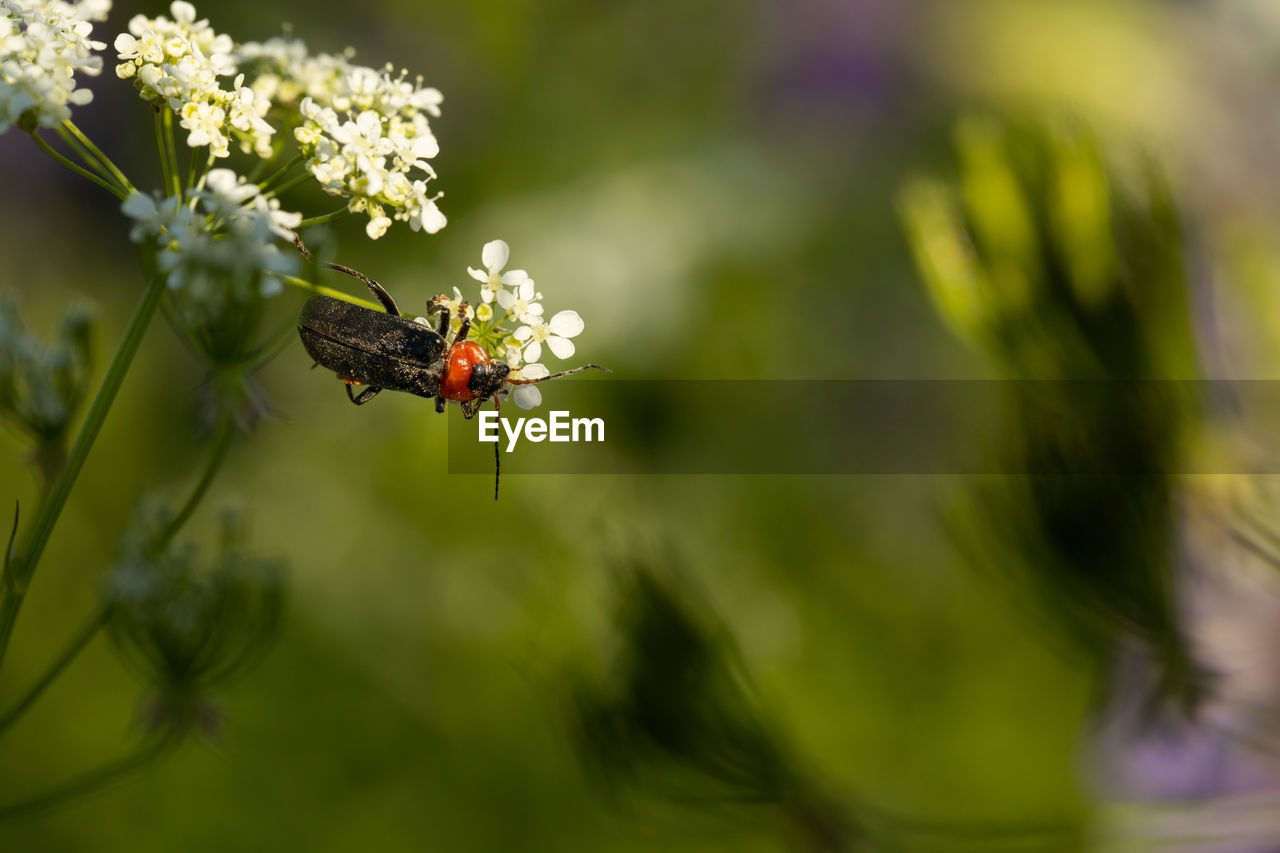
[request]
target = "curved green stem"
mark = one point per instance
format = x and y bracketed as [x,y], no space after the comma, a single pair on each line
[86,156]
[303,284]
[97,152]
[324,217]
[78,641]
[289,184]
[24,564]
[278,173]
[221,443]
[79,170]
[87,783]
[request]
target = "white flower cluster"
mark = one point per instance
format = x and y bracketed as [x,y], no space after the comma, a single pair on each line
[515,293]
[229,243]
[43,44]
[365,133]
[177,63]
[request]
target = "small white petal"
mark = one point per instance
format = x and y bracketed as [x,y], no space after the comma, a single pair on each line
[514,278]
[533,351]
[562,347]
[527,396]
[566,324]
[478,275]
[534,371]
[522,334]
[139,206]
[506,299]
[494,254]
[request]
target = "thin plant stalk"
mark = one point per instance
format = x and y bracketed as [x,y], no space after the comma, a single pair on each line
[79,170]
[324,217]
[173,153]
[18,576]
[79,640]
[161,148]
[221,443]
[86,156]
[97,152]
[88,782]
[303,284]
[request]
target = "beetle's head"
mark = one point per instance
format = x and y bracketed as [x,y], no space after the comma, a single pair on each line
[488,379]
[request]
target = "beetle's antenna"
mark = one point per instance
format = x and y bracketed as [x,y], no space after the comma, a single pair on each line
[497,457]
[558,375]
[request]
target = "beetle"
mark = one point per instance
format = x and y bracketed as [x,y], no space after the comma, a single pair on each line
[385,349]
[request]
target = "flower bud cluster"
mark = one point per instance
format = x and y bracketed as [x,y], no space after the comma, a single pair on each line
[177,63]
[42,384]
[191,626]
[44,44]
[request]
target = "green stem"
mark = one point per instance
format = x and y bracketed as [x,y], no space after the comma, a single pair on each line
[24,564]
[289,184]
[173,152]
[221,443]
[82,172]
[192,168]
[324,217]
[158,122]
[289,164]
[86,156]
[97,152]
[79,640]
[303,284]
[89,782]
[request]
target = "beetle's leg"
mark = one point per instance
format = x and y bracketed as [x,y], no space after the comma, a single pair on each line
[464,311]
[364,396]
[436,305]
[439,405]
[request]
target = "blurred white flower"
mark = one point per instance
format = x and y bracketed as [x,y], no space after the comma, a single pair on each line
[43,45]
[228,244]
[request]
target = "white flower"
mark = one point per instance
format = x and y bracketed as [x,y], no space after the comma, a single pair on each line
[528,396]
[492,279]
[556,334]
[43,45]
[520,302]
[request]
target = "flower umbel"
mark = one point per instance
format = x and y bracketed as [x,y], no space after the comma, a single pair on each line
[177,63]
[43,46]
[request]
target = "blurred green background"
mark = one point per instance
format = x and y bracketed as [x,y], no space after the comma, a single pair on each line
[713,186]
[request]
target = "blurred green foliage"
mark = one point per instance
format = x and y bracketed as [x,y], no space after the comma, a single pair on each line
[713,186]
